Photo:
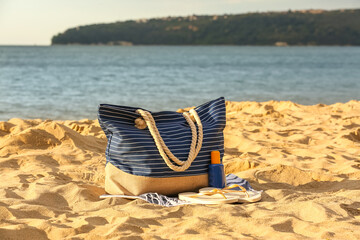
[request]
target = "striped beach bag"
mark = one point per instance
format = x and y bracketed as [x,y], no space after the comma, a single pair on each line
[164,152]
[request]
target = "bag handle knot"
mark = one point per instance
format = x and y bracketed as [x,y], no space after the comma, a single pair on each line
[140,123]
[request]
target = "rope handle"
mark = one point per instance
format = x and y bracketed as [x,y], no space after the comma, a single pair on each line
[196,140]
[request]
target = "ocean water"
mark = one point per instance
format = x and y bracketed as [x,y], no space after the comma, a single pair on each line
[68,82]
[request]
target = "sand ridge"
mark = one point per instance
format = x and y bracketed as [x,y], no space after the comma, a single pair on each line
[305,158]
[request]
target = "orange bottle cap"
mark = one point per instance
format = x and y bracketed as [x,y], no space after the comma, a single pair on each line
[215,157]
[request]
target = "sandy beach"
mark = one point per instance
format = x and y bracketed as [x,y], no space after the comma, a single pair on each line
[305,158]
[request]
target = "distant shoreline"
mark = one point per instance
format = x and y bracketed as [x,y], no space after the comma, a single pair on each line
[290,28]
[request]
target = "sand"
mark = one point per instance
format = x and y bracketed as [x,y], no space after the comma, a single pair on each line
[305,158]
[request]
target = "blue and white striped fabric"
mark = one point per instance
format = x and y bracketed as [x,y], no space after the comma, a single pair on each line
[133,150]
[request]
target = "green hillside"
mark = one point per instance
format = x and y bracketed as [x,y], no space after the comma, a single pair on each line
[340,27]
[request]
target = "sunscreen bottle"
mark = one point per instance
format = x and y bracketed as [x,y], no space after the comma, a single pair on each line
[216,171]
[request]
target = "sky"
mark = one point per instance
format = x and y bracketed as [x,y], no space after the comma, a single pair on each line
[34,22]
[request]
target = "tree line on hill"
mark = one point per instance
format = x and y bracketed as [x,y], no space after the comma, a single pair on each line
[339,27]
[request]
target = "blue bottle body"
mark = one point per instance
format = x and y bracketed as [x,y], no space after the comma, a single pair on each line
[216,176]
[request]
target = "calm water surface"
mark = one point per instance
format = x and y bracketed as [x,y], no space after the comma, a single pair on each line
[68,82]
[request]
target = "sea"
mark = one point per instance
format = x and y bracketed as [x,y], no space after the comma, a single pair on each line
[69,82]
